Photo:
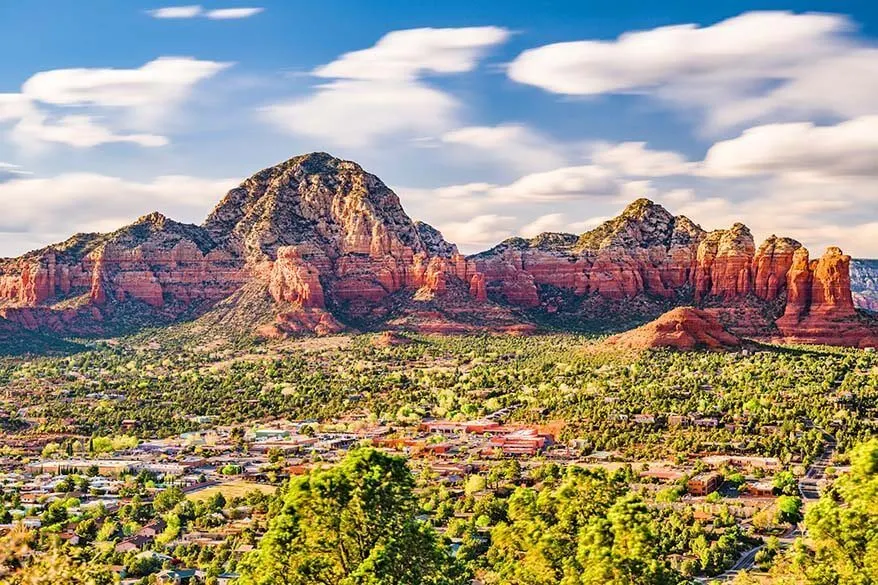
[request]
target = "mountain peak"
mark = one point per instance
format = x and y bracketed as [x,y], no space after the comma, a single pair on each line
[642,223]
[314,199]
[643,207]
[155,219]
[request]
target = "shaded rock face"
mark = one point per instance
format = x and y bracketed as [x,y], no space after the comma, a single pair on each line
[648,253]
[325,233]
[644,251]
[316,244]
[683,328]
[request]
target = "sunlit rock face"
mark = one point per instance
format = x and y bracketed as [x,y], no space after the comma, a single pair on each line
[318,245]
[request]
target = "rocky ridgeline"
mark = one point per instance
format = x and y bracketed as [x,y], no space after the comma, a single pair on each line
[318,245]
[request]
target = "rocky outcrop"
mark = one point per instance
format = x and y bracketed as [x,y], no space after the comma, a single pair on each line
[643,251]
[317,245]
[646,253]
[724,264]
[771,265]
[165,267]
[683,328]
[820,306]
[320,235]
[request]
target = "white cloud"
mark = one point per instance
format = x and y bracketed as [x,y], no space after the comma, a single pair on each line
[562,184]
[552,222]
[759,64]
[479,231]
[848,149]
[190,11]
[76,131]
[378,92]
[158,84]
[634,159]
[232,13]
[354,113]
[407,54]
[51,209]
[13,106]
[196,10]
[517,144]
[129,98]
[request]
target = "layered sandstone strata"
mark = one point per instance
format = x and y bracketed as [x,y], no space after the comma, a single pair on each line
[317,244]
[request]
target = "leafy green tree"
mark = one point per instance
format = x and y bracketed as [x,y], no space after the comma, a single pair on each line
[352,524]
[165,500]
[789,509]
[842,528]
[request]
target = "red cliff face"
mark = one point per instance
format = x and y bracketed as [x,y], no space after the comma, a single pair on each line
[317,244]
[771,265]
[820,307]
[724,264]
[162,265]
[309,233]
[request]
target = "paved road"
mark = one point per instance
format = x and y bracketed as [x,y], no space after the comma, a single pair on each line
[744,563]
[809,484]
[809,490]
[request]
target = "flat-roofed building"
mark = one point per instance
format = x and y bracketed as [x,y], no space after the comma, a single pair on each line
[704,483]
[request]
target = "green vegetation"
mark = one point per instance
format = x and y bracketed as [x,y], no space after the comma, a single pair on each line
[772,403]
[352,524]
[841,528]
[585,512]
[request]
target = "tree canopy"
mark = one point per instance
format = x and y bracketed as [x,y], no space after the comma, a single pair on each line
[352,524]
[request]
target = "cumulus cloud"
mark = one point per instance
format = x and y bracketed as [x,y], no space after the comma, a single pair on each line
[479,231]
[176,11]
[636,160]
[379,91]
[354,113]
[76,131]
[195,11]
[562,184]
[848,149]
[516,144]
[552,222]
[51,209]
[133,98]
[756,65]
[157,85]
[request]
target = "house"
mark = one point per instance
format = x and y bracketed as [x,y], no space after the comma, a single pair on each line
[704,483]
[759,489]
[132,544]
[176,576]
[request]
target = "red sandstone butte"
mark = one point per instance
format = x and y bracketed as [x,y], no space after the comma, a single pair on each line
[683,328]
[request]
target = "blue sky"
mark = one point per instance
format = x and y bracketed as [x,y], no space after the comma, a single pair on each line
[489,119]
